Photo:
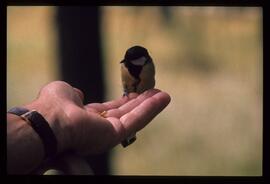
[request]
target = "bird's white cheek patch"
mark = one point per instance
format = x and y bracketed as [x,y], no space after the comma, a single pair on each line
[139,62]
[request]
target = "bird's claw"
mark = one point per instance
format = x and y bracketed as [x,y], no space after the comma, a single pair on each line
[125,94]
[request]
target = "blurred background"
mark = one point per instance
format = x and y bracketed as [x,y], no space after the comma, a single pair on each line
[209,59]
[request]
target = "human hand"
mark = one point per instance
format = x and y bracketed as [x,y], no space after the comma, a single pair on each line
[83,129]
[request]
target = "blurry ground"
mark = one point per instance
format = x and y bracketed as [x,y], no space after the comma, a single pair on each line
[31,52]
[208,59]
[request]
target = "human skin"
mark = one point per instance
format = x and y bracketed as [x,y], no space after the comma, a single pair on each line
[78,127]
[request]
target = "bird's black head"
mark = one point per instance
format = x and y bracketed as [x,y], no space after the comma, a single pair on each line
[134,53]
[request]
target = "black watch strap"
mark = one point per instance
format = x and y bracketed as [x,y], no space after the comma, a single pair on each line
[41,127]
[18,111]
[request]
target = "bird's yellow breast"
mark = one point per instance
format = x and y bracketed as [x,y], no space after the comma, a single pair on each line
[147,77]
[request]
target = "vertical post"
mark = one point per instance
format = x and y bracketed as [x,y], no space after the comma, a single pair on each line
[81,60]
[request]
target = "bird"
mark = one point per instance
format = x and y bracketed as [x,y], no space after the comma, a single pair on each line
[138,75]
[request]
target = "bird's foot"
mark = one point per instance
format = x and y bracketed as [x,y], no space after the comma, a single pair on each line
[125,94]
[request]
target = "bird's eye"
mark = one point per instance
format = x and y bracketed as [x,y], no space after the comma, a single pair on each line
[140,62]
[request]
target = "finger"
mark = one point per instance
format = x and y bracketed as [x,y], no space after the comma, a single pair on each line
[140,116]
[117,103]
[101,107]
[125,108]
[118,129]
[95,107]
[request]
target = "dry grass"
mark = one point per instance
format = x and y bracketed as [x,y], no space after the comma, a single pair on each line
[208,59]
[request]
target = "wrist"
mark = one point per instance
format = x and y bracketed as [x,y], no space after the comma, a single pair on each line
[57,122]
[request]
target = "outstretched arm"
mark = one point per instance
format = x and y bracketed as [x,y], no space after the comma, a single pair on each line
[81,128]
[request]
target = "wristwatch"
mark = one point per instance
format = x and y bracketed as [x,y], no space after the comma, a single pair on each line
[41,127]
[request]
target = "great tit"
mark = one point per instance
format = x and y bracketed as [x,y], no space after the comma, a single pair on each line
[138,75]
